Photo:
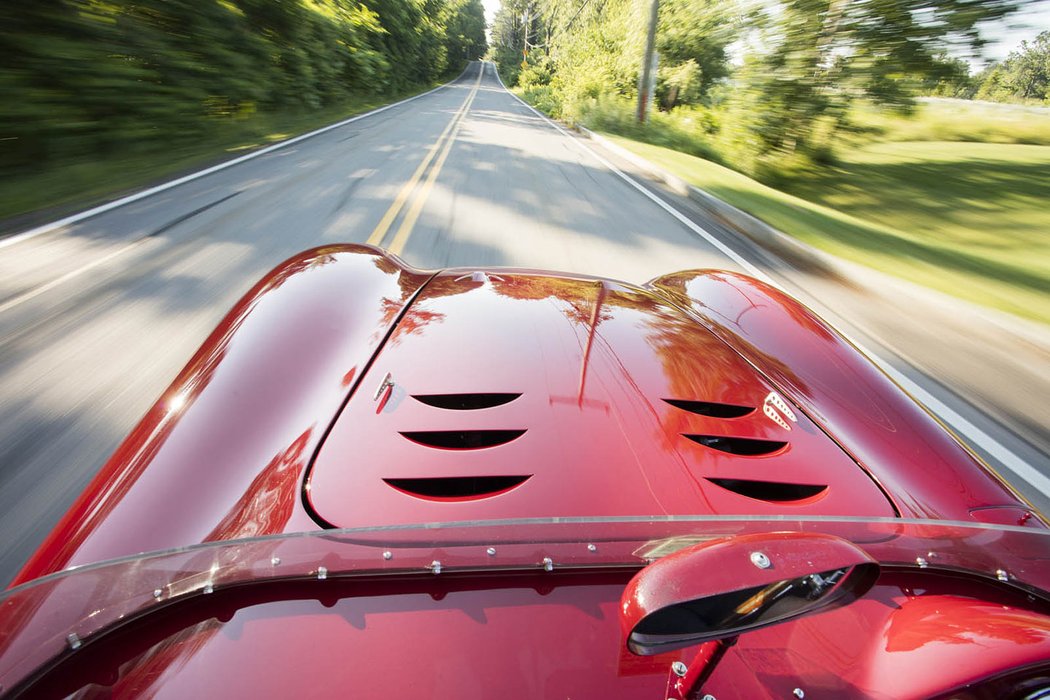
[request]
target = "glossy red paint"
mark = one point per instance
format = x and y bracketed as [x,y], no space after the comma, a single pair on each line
[222,453]
[497,617]
[539,635]
[593,363]
[924,469]
[912,636]
[226,450]
[283,422]
[721,567]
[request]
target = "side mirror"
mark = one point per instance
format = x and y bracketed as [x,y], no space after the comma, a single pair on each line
[719,589]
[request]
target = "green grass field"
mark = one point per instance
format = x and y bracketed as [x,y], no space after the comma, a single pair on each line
[969,219]
[957,120]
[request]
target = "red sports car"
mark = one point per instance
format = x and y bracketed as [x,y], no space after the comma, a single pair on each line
[377,481]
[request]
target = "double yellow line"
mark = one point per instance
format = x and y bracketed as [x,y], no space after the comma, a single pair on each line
[444,145]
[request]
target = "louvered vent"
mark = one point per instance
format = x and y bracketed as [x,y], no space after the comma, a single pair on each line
[773,491]
[463,439]
[747,447]
[465,402]
[709,408]
[458,487]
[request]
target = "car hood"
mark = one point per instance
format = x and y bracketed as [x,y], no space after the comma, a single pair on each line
[510,394]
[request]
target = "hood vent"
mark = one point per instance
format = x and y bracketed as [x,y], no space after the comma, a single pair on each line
[775,491]
[463,439]
[465,402]
[457,487]
[708,408]
[747,447]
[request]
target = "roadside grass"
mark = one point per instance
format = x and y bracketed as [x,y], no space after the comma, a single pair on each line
[954,197]
[968,219]
[956,120]
[29,198]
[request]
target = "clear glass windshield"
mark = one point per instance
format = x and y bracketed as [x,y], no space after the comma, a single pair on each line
[43,618]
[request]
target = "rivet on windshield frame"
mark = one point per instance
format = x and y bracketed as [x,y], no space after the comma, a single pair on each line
[73,641]
[706,697]
[388,555]
[157,593]
[275,560]
[799,693]
[679,668]
[592,548]
[548,564]
[435,566]
[1002,575]
[760,560]
[322,573]
[921,562]
[491,551]
[208,588]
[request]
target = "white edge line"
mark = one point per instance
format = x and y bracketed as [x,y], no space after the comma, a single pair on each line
[102,208]
[960,424]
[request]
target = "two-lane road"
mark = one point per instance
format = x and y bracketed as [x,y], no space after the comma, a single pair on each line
[98,315]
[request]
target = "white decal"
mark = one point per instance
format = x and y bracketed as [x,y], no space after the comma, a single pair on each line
[778,411]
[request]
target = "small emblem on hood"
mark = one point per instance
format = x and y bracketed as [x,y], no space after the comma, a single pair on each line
[778,411]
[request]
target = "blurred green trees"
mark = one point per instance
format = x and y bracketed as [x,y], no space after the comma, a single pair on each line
[85,78]
[1024,75]
[589,48]
[799,65]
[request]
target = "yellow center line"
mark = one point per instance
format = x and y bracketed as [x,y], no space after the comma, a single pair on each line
[399,202]
[412,216]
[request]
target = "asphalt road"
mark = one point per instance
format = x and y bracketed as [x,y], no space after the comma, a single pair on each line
[98,316]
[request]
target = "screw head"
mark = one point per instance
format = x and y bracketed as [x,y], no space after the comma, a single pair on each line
[435,566]
[491,551]
[73,641]
[799,693]
[388,555]
[157,593]
[1002,575]
[322,573]
[548,564]
[275,560]
[760,560]
[208,588]
[592,548]
[679,669]
[921,562]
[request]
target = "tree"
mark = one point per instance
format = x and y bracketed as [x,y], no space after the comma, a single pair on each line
[1026,72]
[514,31]
[465,31]
[589,48]
[825,53]
[692,40]
[949,77]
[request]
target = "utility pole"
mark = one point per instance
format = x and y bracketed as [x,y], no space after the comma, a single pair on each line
[645,81]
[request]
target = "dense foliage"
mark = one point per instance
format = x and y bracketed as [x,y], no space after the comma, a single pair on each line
[802,65]
[1024,75]
[589,48]
[84,78]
